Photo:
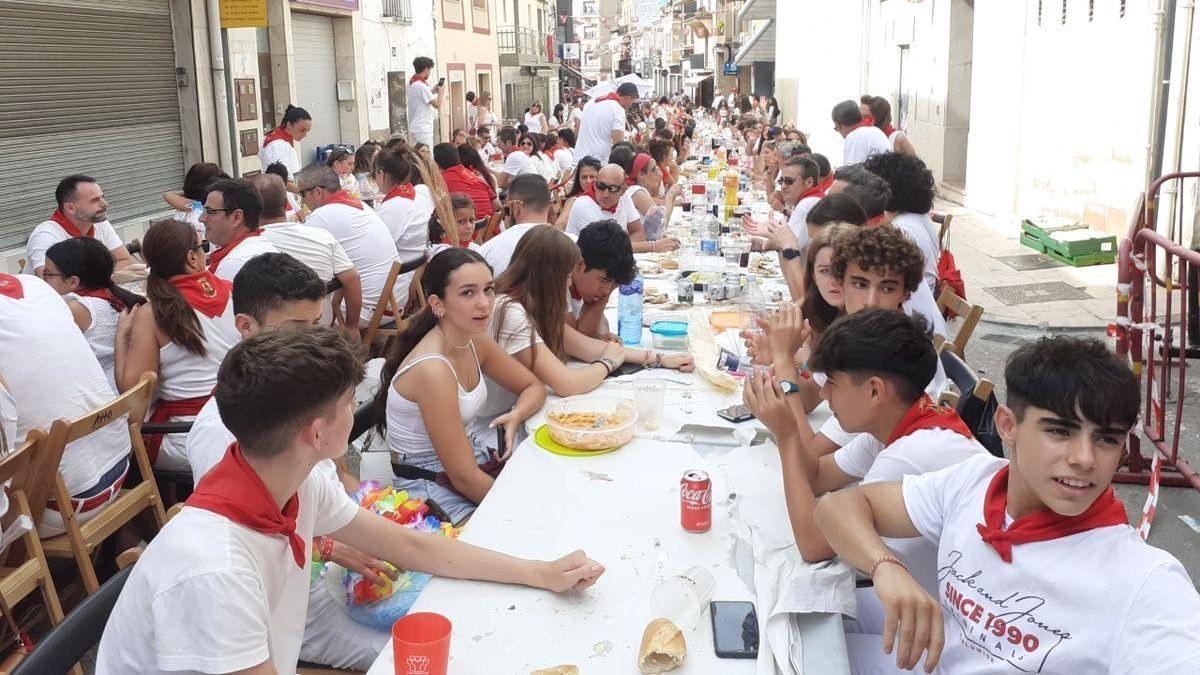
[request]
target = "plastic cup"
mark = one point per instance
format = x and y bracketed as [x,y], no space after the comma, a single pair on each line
[682,598]
[421,644]
[650,395]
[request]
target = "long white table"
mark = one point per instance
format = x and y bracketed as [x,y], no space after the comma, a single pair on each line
[623,510]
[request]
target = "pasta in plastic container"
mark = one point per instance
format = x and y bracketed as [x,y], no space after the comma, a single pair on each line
[591,422]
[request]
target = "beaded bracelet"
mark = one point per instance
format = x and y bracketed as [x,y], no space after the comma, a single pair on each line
[886,558]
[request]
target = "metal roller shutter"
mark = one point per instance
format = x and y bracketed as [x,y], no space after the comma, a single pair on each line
[316,80]
[86,89]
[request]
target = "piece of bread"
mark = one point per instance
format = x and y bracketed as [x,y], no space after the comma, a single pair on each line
[663,647]
[557,670]
[669,264]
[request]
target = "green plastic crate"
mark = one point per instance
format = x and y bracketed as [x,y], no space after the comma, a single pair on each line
[1083,260]
[1072,241]
[1033,242]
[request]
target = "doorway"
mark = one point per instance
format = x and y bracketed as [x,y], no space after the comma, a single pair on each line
[397,84]
[458,113]
[958,95]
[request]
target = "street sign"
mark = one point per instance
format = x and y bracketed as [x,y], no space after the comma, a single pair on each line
[243,13]
[729,68]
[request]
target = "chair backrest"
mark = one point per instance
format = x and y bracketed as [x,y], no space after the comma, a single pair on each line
[387,302]
[970,315]
[944,229]
[976,403]
[68,642]
[490,229]
[31,467]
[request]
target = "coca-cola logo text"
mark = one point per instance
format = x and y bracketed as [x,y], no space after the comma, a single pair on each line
[695,496]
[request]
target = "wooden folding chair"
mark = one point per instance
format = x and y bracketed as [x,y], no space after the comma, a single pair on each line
[944,220]
[489,230]
[970,315]
[29,466]
[388,305]
[82,540]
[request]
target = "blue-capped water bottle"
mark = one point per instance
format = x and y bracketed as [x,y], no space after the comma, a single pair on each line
[629,312]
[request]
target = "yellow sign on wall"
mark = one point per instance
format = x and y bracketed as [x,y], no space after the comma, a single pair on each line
[243,13]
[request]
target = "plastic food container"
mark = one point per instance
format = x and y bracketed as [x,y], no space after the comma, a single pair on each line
[670,335]
[571,422]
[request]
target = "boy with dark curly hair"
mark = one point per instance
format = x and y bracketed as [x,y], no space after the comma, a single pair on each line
[912,190]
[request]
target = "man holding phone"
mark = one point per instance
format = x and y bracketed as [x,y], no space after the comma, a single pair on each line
[422,99]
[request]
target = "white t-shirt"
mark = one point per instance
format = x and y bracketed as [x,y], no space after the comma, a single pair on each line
[238,601]
[864,142]
[312,246]
[546,166]
[533,123]
[564,158]
[923,232]
[585,211]
[366,241]
[420,113]
[49,233]
[8,435]
[1100,601]
[407,221]
[38,333]
[798,221]
[280,150]
[517,163]
[600,120]
[921,303]
[515,334]
[920,452]
[241,254]
[498,251]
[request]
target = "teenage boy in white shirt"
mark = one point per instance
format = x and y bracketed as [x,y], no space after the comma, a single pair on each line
[872,367]
[272,290]
[516,162]
[238,601]
[1038,569]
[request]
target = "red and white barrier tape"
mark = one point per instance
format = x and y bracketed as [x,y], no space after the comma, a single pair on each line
[1143,527]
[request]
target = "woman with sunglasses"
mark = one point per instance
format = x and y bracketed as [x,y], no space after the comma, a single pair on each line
[644,182]
[81,269]
[535,118]
[182,333]
[531,144]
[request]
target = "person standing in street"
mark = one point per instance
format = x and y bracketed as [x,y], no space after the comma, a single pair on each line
[280,144]
[422,99]
[604,122]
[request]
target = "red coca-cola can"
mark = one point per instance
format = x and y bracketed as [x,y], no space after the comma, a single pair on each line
[695,501]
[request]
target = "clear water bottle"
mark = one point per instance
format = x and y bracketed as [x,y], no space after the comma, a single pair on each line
[629,312]
[712,222]
[752,305]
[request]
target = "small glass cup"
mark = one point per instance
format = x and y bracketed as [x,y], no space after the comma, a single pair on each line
[650,395]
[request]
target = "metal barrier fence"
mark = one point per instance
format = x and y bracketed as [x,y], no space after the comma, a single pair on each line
[1155,276]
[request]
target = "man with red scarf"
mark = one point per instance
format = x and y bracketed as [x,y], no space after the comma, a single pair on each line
[872,367]
[1038,570]
[224,586]
[422,99]
[603,122]
[82,212]
[231,217]
[862,138]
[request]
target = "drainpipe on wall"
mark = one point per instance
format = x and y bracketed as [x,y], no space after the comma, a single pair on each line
[216,55]
[1164,43]
[1181,94]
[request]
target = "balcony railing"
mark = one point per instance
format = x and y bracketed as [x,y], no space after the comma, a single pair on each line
[524,46]
[400,10]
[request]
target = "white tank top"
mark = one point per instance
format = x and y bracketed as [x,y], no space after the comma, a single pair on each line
[101,336]
[406,433]
[183,374]
[533,122]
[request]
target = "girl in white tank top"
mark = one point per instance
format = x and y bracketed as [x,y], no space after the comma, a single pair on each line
[442,356]
[182,334]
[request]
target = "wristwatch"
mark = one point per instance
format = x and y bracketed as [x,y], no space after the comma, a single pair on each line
[789,387]
[791,253]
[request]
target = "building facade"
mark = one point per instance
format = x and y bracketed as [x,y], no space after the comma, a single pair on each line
[394,33]
[527,46]
[467,56]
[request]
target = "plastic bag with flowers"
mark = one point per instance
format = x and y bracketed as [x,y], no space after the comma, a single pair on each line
[376,605]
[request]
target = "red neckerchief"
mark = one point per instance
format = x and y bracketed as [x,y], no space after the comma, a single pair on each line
[466,243]
[639,165]
[925,414]
[218,255]
[65,223]
[867,121]
[814,191]
[575,294]
[591,192]
[232,489]
[278,134]
[608,97]
[343,197]
[104,294]
[419,78]
[889,130]
[876,221]
[826,183]
[1041,525]
[403,190]
[10,287]
[204,292]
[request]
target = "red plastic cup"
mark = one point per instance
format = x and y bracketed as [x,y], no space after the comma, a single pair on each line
[421,644]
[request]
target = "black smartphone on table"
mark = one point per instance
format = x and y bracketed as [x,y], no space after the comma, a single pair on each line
[735,629]
[626,369]
[735,413]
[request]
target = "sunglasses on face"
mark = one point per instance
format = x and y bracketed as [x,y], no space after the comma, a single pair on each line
[788,181]
[203,246]
[601,186]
